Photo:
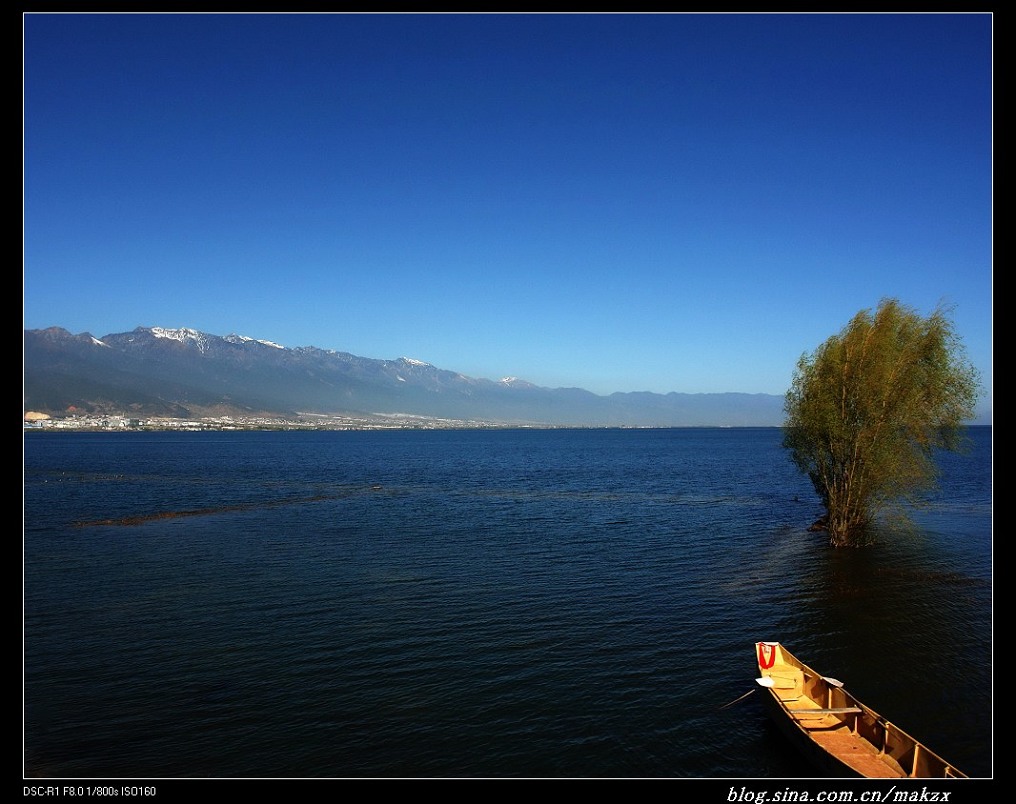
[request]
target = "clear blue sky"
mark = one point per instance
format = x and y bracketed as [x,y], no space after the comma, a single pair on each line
[614,202]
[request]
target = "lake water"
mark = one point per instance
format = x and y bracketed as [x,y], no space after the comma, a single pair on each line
[475,603]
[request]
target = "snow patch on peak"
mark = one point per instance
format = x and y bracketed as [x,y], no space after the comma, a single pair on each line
[413,362]
[516,382]
[234,338]
[181,334]
[97,342]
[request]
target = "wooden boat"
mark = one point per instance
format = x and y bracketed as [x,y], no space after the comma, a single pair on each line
[835,731]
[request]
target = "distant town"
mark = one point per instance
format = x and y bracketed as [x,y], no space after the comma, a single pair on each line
[396,421]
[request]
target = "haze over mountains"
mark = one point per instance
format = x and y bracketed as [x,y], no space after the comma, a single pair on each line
[184,373]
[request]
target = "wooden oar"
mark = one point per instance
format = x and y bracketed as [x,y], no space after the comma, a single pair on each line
[766,681]
[749,692]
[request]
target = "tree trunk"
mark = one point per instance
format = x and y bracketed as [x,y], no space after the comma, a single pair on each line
[847,527]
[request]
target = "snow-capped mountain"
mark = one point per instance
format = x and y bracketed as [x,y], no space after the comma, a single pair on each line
[184,372]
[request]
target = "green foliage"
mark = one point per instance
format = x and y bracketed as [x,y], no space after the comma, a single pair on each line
[868,408]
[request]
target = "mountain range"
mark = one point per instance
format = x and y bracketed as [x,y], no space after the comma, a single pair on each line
[184,373]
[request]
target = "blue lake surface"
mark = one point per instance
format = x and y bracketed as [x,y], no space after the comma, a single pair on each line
[475,603]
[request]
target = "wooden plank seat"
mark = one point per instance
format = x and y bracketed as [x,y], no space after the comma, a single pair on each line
[833,710]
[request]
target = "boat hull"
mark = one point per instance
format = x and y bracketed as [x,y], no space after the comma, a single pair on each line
[838,734]
[824,762]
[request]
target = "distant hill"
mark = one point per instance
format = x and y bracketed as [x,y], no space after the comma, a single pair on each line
[152,371]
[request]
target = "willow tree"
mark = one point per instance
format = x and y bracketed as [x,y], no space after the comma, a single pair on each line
[867,410]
